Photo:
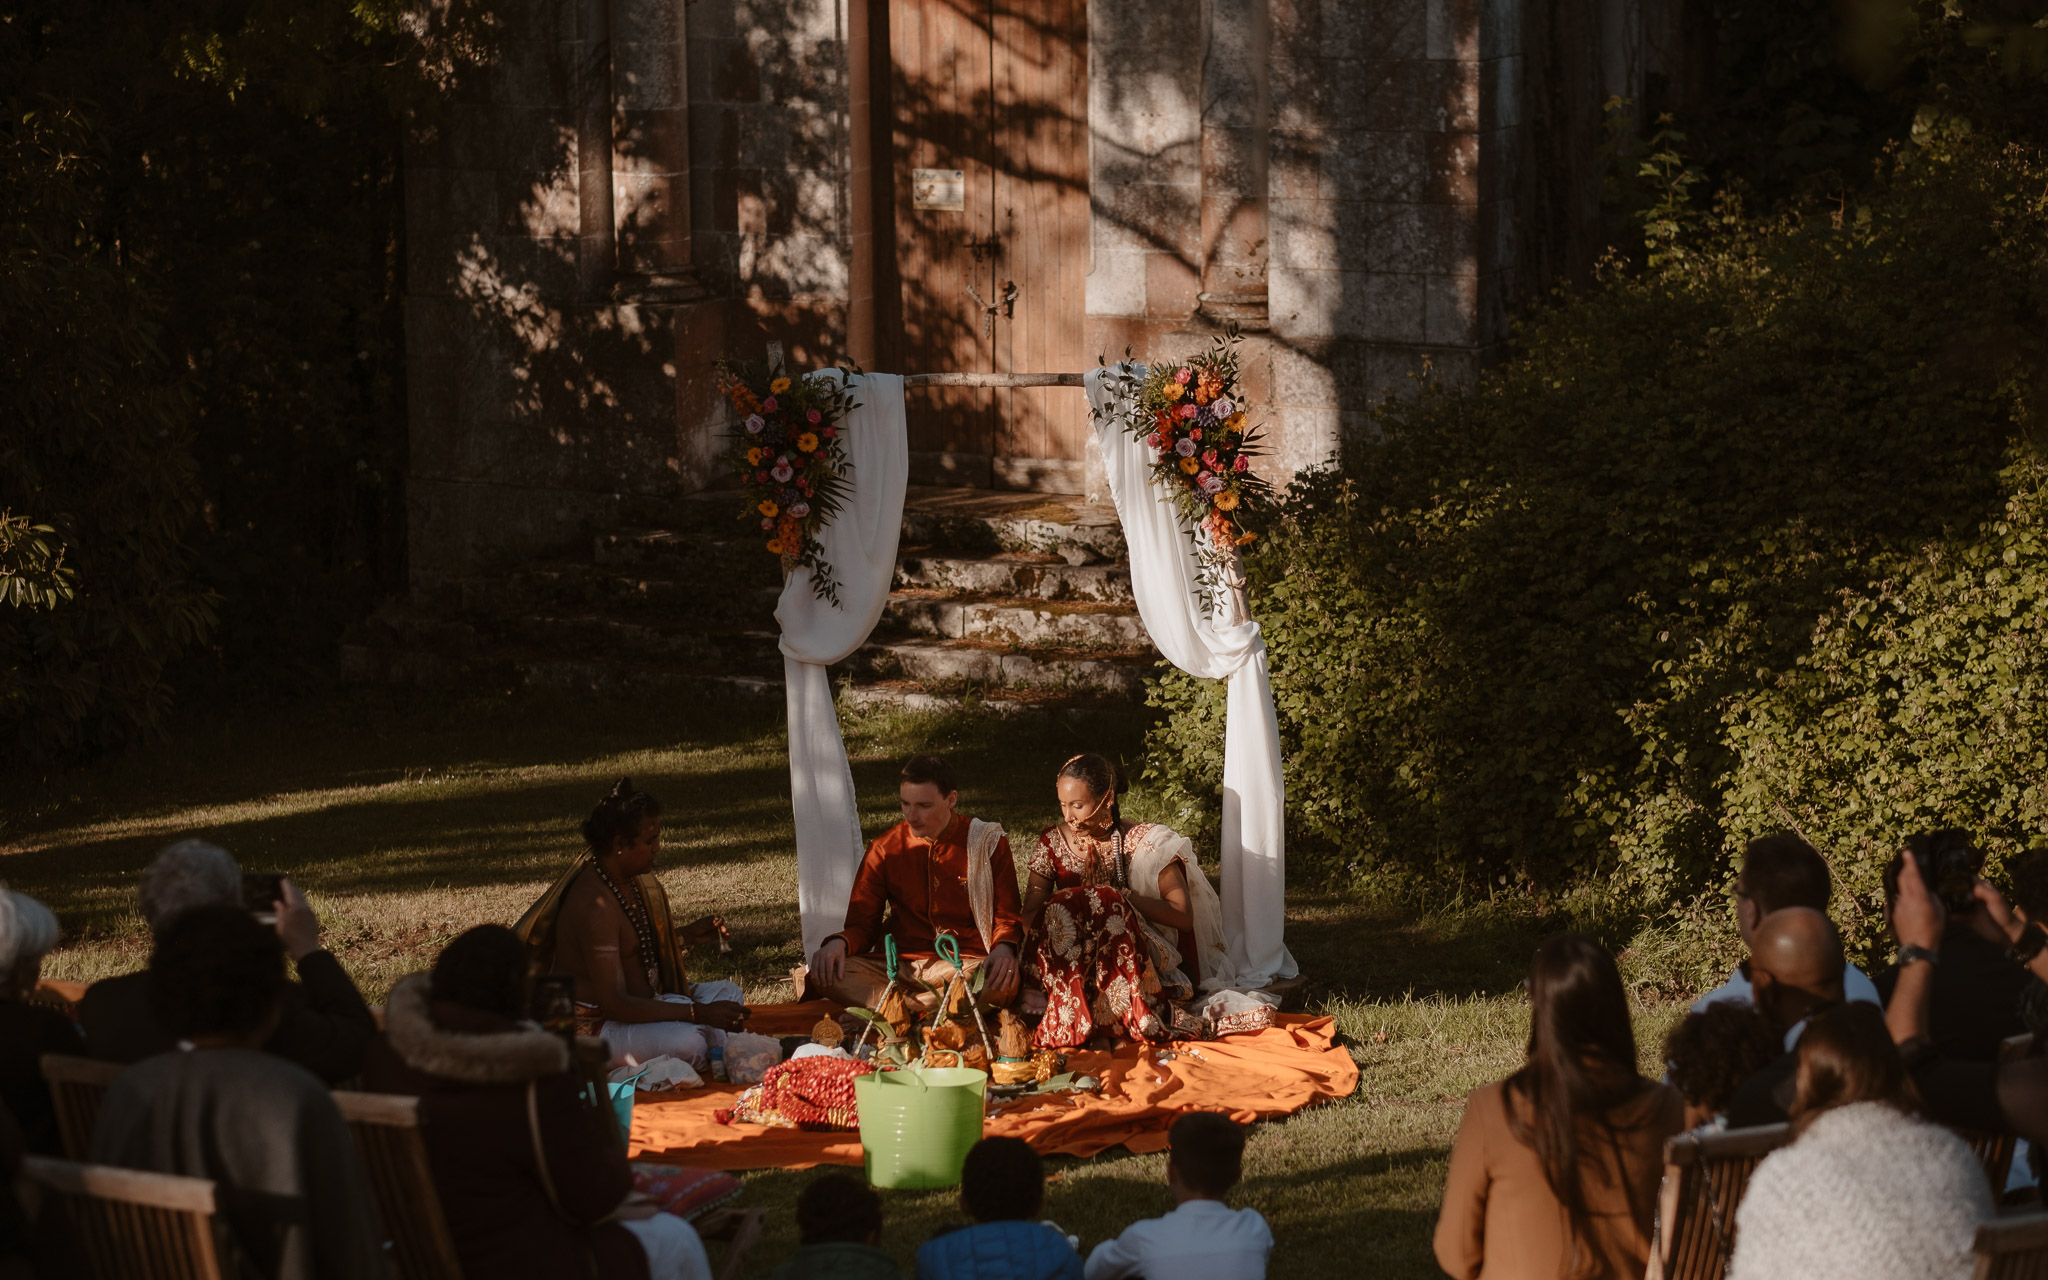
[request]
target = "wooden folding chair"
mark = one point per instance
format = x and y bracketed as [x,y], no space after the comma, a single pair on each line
[125,1223]
[2013,1248]
[1705,1175]
[76,1087]
[1994,1151]
[386,1128]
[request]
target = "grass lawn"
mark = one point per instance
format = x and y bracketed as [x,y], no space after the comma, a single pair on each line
[408,818]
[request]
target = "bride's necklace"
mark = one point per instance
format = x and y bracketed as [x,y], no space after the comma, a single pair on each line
[1118,876]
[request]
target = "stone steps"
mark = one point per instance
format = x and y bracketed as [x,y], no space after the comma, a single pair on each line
[1017,603]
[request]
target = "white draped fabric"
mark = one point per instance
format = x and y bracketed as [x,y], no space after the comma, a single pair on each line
[860,545]
[1165,579]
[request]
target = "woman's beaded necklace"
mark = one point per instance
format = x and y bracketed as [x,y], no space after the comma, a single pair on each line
[643,925]
[1118,874]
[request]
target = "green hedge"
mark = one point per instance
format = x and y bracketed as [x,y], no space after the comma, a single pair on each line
[1556,631]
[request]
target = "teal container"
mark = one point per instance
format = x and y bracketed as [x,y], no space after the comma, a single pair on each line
[917,1124]
[622,1107]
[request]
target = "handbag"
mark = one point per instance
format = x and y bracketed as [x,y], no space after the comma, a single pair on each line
[636,1204]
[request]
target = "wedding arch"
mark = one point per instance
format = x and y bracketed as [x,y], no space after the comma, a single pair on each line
[1202,625]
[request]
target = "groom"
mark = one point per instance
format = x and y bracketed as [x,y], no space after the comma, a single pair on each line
[937,871]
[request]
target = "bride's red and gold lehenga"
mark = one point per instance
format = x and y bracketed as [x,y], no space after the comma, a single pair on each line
[1096,956]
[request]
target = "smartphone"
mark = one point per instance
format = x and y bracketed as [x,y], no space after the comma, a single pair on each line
[554,1003]
[261,892]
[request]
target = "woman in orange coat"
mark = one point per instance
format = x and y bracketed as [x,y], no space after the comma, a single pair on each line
[1554,1173]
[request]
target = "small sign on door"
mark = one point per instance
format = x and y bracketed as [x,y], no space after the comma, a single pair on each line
[939,189]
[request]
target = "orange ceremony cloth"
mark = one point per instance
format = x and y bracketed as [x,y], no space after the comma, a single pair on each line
[1271,1073]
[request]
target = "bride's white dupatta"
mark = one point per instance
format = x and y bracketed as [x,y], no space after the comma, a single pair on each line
[1152,847]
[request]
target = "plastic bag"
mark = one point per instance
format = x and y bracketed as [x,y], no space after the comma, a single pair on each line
[748,1056]
[661,1074]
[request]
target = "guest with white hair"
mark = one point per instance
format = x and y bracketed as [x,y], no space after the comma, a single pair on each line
[323,1024]
[28,1030]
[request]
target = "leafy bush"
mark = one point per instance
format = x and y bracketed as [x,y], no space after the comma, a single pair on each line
[96,447]
[1513,643]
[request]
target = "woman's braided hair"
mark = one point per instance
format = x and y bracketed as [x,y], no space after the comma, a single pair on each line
[619,814]
[1103,776]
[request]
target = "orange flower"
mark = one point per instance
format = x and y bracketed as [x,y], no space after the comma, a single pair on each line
[774,546]
[1245,537]
[1174,390]
[1226,500]
[767,507]
[754,456]
[807,442]
[1190,465]
[778,386]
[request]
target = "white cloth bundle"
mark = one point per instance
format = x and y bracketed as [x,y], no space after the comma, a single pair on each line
[860,545]
[1166,581]
[658,1075]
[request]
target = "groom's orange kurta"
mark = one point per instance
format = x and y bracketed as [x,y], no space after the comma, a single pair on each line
[923,886]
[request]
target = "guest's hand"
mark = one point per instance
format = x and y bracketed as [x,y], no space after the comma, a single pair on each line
[1997,914]
[724,1015]
[296,923]
[1917,915]
[1000,986]
[829,965]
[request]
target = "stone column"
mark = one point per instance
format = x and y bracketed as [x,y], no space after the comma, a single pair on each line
[596,235]
[1236,118]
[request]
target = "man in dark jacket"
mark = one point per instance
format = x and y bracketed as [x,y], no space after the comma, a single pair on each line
[323,1024]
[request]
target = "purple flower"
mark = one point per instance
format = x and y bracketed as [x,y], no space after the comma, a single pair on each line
[1210,482]
[1184,447]
[754,424]
[799,509]
[782,473]
[1222,407]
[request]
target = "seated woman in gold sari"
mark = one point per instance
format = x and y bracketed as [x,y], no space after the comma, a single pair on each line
[1123,920]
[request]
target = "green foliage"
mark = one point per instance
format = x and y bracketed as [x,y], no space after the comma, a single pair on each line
[97,440]
[244,188]
[1921,703]
[33,574]
[1510,646]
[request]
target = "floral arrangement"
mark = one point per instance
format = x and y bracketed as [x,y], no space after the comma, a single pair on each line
[790,460]
[1191,415]
[803,1093]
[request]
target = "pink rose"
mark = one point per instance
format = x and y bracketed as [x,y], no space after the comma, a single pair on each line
[782,473]
[1184,411]
[768,404]
[766,523]
[760,477]
[1209,482]
[799,509]
[1194,433]
[1209,459]
[814,416]
[1156,440]
[1241,464]
[1183,376]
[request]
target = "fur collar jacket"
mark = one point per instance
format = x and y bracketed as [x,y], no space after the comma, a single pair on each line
[1866,1191]
[465,1046]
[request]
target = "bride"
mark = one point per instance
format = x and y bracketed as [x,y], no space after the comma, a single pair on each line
[1123,920]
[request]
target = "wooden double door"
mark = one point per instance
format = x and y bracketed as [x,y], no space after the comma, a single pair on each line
[987,113]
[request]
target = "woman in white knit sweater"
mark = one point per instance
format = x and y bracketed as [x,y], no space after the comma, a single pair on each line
[1867,1189]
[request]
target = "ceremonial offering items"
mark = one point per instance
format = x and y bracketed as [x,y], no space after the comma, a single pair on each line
[1191,415]
[789,460]
[803,1093]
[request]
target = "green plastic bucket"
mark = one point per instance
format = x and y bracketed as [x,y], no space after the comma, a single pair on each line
[917,1124]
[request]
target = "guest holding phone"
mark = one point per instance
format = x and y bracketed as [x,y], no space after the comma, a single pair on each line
[323,1024]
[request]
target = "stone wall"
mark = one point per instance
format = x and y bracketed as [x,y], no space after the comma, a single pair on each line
[627,190]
